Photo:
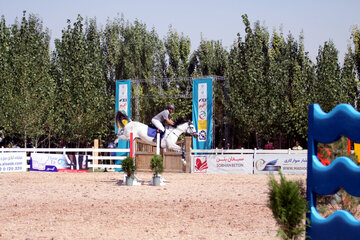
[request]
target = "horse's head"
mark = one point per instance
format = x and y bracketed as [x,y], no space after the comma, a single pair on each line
[191,130]
[187,127]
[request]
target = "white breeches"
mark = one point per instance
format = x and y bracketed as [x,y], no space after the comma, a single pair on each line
[158,124]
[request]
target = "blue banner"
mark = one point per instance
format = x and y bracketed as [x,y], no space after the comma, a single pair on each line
[202,112]
[122,103]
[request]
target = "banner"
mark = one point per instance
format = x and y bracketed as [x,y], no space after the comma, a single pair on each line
[289,164]
[202,112]
[13,162]
[222,163]
[123,104]
[58,162]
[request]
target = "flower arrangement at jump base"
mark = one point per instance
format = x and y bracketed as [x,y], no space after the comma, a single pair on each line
[156,165]
[342,200]
[128,165]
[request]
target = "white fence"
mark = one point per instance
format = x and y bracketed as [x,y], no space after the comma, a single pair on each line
[94,154]
[249,161]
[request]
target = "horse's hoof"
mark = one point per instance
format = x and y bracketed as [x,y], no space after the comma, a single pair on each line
[184,162]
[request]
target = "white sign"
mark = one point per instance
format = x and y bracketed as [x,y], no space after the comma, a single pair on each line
[239,163]
[57,162]
[289,164]
[13,162]
[123,98]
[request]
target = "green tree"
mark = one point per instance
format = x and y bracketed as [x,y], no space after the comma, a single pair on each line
[355,55]
[210,58]
[350,73]
[290,75]
[329,91]
[28,107]
[248,70]
[6,78]
[178,51]
[350,81]
[81,86]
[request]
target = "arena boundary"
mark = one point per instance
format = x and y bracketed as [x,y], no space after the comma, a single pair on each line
[96,156]
[248,161]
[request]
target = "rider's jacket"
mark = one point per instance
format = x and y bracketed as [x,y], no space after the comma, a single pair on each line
[162,115]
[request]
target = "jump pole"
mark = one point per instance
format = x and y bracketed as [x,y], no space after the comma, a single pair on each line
[158,143]
[131,145]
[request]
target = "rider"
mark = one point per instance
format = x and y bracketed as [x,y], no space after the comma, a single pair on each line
[163,115]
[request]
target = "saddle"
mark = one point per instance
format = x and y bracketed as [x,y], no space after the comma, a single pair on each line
[152,131]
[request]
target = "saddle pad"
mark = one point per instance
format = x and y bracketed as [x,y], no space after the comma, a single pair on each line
[152,132]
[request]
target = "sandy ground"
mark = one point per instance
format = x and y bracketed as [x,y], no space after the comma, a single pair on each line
[42,205]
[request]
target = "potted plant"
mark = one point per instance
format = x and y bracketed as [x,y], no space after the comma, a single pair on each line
[129,167]
[156,165]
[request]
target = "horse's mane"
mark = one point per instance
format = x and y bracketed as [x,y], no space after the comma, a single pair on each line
[179,122]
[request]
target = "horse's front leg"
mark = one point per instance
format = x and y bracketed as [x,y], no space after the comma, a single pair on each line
[121,134]
[174,147]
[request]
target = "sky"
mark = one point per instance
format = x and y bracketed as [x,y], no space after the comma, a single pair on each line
[319,20]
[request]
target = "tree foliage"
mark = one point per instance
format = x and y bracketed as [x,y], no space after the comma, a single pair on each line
[26,85]
[81,84]
[69,94]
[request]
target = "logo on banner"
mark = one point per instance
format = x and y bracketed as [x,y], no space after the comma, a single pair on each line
[200,164]
[202,112]
[202,115]
[202,135]
[123,98]
[261,165]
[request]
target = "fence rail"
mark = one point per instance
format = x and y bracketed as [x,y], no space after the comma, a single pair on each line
[247,151]
[91,153]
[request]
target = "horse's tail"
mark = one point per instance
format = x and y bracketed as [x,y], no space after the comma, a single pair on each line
[119,117]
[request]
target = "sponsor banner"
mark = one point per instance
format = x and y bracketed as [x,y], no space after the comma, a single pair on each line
[202,112]
[222,163]
[58,162]
[123,104]
[13,162]
[289,164]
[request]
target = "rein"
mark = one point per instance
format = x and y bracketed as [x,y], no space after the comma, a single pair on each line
[173,131]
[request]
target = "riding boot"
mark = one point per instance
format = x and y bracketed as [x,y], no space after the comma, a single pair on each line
[161,133]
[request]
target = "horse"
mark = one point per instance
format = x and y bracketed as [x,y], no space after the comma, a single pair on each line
[140,130]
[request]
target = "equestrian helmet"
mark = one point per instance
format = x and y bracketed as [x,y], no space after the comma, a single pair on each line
[170,106]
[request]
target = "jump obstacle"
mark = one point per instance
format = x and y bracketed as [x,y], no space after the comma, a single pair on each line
[343,120]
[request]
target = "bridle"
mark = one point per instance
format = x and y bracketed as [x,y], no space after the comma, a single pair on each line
[192,133]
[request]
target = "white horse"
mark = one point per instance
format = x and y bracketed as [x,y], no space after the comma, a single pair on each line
[140,130]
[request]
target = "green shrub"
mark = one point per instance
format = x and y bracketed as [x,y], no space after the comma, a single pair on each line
[156,164]
[128,166]
[288,204]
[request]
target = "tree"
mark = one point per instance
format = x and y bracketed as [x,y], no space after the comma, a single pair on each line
[350,73]
[291,75]
[350,81]
[28,106]
[209,59]
[329,91]
[248,69]
[81,87]
[355,36]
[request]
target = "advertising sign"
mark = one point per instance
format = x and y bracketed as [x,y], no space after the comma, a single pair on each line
[289,164]
[222,163]
[13,162]
[123,104]
[58,162]
[202,112]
